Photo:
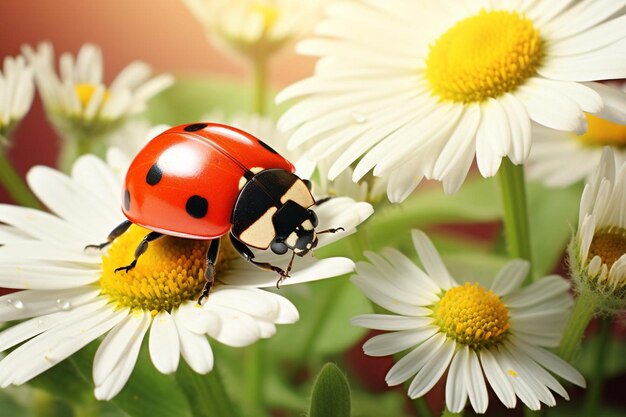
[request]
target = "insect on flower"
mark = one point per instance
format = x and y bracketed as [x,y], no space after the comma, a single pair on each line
[203,180]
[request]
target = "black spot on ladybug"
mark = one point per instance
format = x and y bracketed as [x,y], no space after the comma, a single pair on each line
[127,200]
[266,146]
[195,127]
[154,175]
[197,206]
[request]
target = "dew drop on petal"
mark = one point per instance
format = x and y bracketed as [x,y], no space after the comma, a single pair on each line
[17,304]
[63,304]
[359,117]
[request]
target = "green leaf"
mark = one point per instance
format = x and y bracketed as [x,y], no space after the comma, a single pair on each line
[331,394]
[553,214]
[206,394]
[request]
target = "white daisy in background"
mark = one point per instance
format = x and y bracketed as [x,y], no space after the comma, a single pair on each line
[255,28]
[71,297]
[16,94]
[415,89]
[598,250]
[559,159]
[78,102]
[475,332]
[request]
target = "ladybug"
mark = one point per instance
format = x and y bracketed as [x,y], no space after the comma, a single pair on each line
[204,180]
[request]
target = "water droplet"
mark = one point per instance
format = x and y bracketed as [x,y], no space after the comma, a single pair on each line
[63,304]
[359,117]
[18,304]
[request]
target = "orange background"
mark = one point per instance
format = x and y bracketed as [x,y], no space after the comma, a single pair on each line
[162,33]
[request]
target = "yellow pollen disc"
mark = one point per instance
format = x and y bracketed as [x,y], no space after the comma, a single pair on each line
[483,56]
[601,132]
[608,245]
[268,13]
[472,316]
[170,272]
[86,91]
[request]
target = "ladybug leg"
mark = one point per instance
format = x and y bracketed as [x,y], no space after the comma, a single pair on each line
[115,233]
[338,229]
[209,270]
[283,276]
[141,249]
[248,255]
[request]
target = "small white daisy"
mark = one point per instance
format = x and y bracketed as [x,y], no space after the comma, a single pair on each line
[255,28]
[598,250]
[78,102]
[415,89]
[559,159]
[16,94]
[498,333]
[71,297]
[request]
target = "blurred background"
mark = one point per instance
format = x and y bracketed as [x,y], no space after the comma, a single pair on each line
[162,33]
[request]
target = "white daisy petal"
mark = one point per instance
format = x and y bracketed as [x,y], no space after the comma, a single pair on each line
[510,277]
[164,344]
[415,360]
[476,388]
[614,102]
[390,322]
[497,379]
[195,348]
[33,303]
[20,275]
[392,343]
[458,379]
[429,375]
[237,329]
[431,260]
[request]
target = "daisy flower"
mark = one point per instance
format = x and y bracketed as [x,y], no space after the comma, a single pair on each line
[497,333]
[598,250]
[255,28]
[559,159]
[78,102]
[16,94]
[71,297]
[413,89]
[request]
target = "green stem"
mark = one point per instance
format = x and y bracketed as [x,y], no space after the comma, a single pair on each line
[596,381]
[448,413]
[71,149]
[585,307]
[259,88]
[15,185]
[516,227]
[253,382]
[422,408]
[206,394]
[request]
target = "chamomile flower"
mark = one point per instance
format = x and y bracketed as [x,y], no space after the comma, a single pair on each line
[78,102]
[16,94]
[413,89]
[598,250]
[495,333]
[71,297]
[559,159]
[255,28]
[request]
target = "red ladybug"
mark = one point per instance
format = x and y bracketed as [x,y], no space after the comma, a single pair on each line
[203,180]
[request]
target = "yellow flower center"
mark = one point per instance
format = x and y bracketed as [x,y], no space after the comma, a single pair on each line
[483,56]
[601,132]
[268,13]
[609,245]
[86,91]
[472,316]
[170,272]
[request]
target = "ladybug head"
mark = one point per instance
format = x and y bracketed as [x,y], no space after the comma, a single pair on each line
[295,229]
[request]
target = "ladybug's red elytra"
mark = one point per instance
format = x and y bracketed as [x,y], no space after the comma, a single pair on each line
[204,180]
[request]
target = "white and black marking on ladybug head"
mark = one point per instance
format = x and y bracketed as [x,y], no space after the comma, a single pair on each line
[260,233]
